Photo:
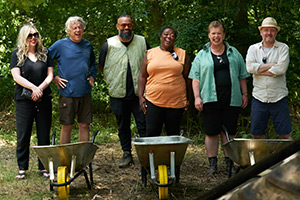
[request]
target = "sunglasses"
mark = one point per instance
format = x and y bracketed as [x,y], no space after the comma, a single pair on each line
[174,55]
[31,35]
[221,61]
[264,60]
[123,26]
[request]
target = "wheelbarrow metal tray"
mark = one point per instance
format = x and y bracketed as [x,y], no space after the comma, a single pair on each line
[62,154]
[161,147]
[238,149]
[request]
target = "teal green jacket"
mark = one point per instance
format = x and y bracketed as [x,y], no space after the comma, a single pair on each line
[203,70]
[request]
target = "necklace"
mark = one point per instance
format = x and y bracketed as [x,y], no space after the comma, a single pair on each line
[266,52]
[217,51]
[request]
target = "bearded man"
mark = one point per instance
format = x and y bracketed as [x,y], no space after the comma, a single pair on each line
[120,62]
[268,62]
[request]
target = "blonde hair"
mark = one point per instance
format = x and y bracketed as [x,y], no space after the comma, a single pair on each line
[72,20]
[23,45]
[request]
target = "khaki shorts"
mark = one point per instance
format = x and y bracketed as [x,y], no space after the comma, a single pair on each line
[70,106]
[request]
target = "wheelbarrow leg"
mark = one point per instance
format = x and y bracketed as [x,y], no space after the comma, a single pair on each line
[177,174]
[51,186]
[230,168]
[51,171]
[175,170]
[144,177]
[91,174]
[87,179]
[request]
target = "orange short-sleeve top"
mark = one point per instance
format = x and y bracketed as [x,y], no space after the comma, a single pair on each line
[166,86]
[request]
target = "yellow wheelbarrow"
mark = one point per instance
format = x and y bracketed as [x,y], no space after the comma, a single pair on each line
[67,159]
[160,152]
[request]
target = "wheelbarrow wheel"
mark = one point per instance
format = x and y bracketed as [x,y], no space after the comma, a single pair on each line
[63,177]
[163,179]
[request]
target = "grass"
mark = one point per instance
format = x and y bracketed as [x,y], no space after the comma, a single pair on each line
[10,188]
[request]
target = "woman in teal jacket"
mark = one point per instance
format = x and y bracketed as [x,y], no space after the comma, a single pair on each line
[220,89]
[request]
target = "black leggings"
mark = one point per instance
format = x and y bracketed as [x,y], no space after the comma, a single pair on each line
[157,116]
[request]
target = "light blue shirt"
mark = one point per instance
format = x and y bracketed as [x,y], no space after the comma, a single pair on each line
[203,70]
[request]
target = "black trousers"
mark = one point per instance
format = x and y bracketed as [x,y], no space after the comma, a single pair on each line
[157,116]
[26,112]
[122,109]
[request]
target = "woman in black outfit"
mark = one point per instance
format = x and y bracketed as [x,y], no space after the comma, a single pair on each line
[32,69]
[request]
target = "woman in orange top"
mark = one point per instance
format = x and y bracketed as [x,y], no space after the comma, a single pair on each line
[164,87]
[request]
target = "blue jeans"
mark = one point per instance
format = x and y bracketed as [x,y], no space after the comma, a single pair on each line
[260,113]
[26,112]
[122,109]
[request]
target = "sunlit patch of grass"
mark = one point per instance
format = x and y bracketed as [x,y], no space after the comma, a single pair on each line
[7,138]
[107,126]
[32,187]
[296,128]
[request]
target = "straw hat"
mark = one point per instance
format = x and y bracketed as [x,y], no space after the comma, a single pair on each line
[269,22]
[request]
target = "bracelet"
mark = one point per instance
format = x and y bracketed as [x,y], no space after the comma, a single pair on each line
[245,94]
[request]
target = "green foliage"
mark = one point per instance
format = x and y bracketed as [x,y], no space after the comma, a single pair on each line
[100,96]
[189,17]
[10,20]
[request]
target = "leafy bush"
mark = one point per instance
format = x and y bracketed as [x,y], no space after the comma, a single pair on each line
[190,18]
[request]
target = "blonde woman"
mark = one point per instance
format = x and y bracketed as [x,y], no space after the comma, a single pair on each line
[32,70]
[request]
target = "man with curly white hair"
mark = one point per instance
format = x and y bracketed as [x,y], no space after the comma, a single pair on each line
[77,70]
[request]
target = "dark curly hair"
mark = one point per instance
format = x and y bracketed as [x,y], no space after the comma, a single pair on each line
[168,27]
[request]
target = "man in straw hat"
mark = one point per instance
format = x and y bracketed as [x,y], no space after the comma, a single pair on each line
[268,61]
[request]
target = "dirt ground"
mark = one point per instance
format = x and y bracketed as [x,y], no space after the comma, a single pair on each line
[110,182]
[114,183]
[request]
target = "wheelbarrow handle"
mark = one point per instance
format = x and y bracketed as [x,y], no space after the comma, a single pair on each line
[94,135]
[226,133]
[181,132]
[53,137]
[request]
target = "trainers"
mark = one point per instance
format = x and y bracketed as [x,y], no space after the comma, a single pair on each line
[126,160]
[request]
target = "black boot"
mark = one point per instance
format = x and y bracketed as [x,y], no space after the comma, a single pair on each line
[227,161]
[213,161]
[126,160]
